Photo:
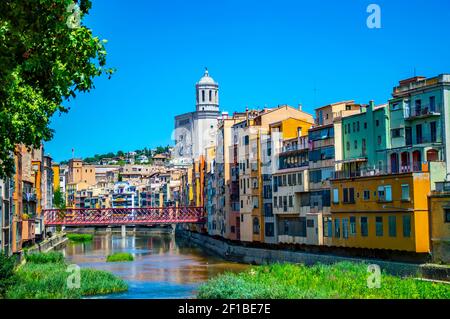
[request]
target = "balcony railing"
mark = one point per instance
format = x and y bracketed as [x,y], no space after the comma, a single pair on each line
[415,167]
[424,110]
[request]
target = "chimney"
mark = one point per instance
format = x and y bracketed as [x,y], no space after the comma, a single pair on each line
[299,106]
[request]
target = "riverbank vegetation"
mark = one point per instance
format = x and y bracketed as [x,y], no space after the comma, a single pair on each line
[120,257]
[7,264]
[46,276]
[80,238]
[339,281]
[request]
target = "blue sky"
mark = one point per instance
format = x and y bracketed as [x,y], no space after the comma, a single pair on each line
[262,53]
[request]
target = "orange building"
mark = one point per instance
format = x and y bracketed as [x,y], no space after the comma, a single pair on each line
[380,211]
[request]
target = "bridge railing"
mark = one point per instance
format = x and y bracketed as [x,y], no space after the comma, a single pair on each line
[120,216]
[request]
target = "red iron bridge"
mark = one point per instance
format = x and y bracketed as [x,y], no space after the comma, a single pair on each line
[123,216]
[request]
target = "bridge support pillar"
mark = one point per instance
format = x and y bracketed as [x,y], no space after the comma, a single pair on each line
[124,230]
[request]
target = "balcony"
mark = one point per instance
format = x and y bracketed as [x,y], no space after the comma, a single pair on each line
[422,111]
[415,167]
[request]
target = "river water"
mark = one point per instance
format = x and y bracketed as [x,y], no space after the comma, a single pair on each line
[164,266]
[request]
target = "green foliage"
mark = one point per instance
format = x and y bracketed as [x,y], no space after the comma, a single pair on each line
[120,257]
[161,149]
[49,281]
[340,281]
[45,258]
[80,237]
[7,264]
[44,63]
[58,199]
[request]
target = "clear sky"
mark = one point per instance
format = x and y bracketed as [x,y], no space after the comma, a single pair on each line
[262,53]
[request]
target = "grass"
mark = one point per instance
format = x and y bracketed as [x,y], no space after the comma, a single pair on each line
[80,238]
[45,276]
[339,281]
[119,257]
[45,258]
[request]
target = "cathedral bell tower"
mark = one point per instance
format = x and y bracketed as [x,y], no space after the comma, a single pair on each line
[207,94]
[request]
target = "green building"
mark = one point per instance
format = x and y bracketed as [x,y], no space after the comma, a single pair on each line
[419,125]
[364,135]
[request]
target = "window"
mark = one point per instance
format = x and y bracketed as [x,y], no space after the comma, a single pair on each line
[357,126]
[327,227]
[379,140]
[348,146]
[335,196]
[385,193]
[290,201]
[349,195]
[310,223]
[433,132]
[365,125]
[396,132]
[355,144]
[285,203]
[203,96]
[405,192]
[366,194]
[294,179]
[392,226]
[345,129]
[269,230]
[379,226]
[432,104]
[275,201]
[354,127]
[289,179]
[352,226]
[256,226]
[300,179]
[377,123]
[419,139]
[406,226]
[447,215]
[210,95]
[364,227]
[337,230]
[345,228]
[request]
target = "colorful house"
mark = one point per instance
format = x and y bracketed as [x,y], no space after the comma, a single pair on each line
[388,211]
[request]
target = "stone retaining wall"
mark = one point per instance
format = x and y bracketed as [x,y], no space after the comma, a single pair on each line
[259,256]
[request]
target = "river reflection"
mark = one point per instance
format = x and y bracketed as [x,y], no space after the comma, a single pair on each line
[164,266]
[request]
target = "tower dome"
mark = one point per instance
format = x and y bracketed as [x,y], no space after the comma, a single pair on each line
[207,92]
[206,79]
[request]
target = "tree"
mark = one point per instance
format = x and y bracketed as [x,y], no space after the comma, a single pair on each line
[47,56]
[58,199]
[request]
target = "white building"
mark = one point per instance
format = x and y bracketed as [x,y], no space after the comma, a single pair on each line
[194,131]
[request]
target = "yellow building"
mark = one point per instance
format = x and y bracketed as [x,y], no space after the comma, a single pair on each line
[439,210]
[381,212]
[56,173]
[294,223]
[252,134]
[80,172]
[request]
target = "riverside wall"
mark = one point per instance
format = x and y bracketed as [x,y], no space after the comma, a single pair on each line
[260,256]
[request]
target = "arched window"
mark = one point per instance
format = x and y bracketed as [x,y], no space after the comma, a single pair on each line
[203,95]
[210,95]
